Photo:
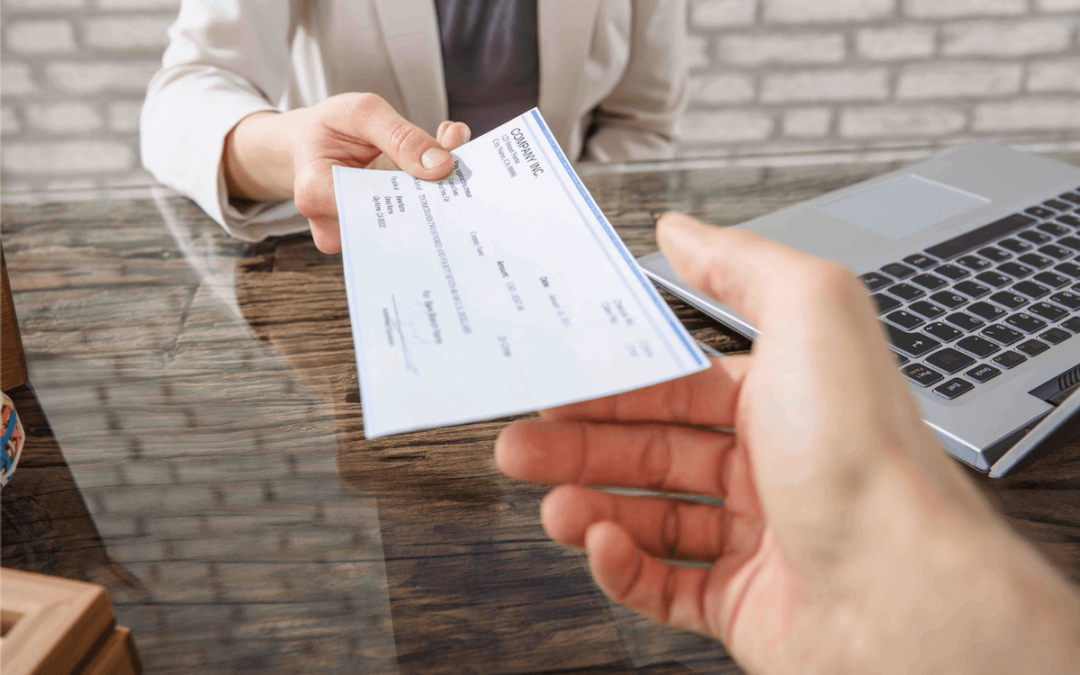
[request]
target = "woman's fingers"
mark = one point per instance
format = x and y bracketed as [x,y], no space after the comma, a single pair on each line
[453,135]
[372,120]
[660,457]
[707,398]
[662,527]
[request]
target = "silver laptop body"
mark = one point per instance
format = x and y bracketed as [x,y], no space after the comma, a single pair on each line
[978,242]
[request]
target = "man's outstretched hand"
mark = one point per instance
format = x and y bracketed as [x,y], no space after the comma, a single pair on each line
[846,539]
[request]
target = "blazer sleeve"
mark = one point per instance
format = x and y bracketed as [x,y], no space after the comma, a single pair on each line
[226,59]
[639,119]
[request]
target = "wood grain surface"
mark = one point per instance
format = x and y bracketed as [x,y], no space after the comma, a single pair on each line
[195,402]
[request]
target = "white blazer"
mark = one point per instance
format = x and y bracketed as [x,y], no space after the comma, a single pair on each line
[615,66]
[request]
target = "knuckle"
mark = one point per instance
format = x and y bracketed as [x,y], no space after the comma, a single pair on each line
[670,528]
[364,104]
[403,135]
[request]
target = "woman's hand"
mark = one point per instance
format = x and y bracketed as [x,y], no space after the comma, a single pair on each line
[273,156]
[847,539]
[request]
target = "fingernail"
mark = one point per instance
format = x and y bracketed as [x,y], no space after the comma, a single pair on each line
[465,135]
[434,157]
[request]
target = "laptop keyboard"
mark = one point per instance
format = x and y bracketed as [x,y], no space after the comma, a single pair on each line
[967,310]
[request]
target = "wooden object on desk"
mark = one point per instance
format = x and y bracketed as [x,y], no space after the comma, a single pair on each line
[12,361]
[52,625]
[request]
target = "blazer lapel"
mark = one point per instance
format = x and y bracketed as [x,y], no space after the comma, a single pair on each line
[565,34]
[411,31]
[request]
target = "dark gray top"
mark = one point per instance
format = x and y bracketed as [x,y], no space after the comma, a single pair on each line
[491,60]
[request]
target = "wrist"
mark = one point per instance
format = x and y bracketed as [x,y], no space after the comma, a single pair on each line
[258,157]
[956,590]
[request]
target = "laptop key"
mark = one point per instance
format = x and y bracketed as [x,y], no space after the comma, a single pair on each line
[1047,312]
[1031,289]
[1070,197]
[1026,322]
[941,331]
[1072,324]
[984,310]
[906,292]
[905,320]
[953,388]
[929,281]
[1008,300]
[952,271]
[964,322]
[1072,221]
[885,303]
[1055,252]
[1032,347]
[921,375]
[874,281]
[1053,229]
[1009,360]
[983,373]
[900,359]
[948,299]
[976,345]
[1034,236]
[1070,269]
[912,344]
[1067,299]
[971,289]
[1014,245]
[994,279]
[927,309]
[1036,261]
[898,270]
[1014,269]
[1056,205]
[949,360]
[1002,334]
[1052,280]
[921,260]
[1055,336]
[1039,212]
[1070,241]
[973,262]
[994,254]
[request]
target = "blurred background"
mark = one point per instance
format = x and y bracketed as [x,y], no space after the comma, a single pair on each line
[773,81]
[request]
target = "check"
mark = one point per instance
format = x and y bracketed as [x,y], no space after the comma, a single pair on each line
[498,290]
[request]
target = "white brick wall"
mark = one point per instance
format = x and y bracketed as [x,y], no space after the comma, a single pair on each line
[950,9]
[766,76]
[1055,76]
[839,75]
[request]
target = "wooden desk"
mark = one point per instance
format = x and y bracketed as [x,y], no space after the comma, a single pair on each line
[202,456]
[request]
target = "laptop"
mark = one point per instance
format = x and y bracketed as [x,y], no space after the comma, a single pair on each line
[973,259]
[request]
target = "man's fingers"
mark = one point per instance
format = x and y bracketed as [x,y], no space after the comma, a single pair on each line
[666,593]
[661,526]
[707,398]
[737,267]
[373,120]
[653,456]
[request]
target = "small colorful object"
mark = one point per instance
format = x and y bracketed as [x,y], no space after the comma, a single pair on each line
[11,443]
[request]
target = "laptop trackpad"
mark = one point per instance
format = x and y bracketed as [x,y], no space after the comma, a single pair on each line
[903,206]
